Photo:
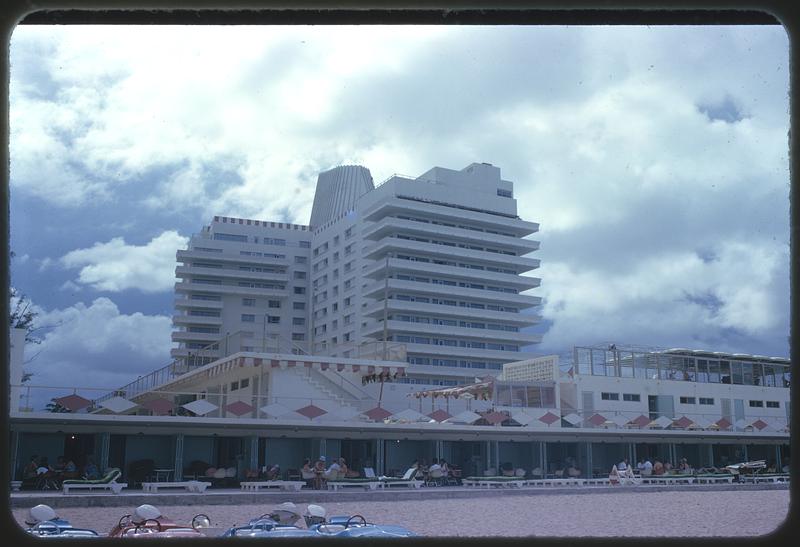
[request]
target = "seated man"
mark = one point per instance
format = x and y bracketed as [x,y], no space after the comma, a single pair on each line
[273,472]
[332,473]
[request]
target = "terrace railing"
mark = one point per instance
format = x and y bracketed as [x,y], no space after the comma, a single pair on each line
[76,400]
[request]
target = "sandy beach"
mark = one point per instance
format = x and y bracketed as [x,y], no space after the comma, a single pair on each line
[653,513]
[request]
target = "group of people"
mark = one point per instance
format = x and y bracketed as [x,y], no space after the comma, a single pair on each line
[317,475]
[40,472]
[437,470]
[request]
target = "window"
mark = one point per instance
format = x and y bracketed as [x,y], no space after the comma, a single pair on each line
[234,386]
[301,260]
[298,320]
[759,404]
[504,193]
[706,400]
[633,397]
[203,313]
[273,319]
[299,275]
[609,396]
[305,244]
[298,336]
[298,305]
[248,302]
[348,232]
[773,404]
[248,318]
[299,290]
[687,400]
[230,237]
[244,383]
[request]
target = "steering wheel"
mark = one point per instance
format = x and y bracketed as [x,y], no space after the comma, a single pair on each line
[200,521]
[356,519]
[43,531]
[143,525]
[265,516]
[124,520]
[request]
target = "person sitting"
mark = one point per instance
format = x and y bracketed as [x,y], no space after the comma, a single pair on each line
[667,468]
[308,474]
[70,470]
[332,473]
[573,472]
[59,465]
[623,465]
[647,468]
[30,469]
[273,472]
[319,469]
[507,470]
[90,470]
[658,468]
[445,468]
[684,467]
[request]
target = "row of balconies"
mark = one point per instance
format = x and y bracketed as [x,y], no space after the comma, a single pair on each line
[389,225]
[396,205]
[519,282]
[394,244]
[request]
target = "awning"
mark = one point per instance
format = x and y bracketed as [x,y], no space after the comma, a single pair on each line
[482,390]
[362,369]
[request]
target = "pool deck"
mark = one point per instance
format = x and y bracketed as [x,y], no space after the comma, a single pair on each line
[230,496]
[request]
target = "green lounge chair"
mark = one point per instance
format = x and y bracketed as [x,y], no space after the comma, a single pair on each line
[107,482]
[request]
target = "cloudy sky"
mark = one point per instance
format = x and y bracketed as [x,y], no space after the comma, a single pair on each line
[655,159]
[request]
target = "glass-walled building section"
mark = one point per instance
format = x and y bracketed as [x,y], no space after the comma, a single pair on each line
[684,365]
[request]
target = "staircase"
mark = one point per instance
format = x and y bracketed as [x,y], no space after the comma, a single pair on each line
[328,389]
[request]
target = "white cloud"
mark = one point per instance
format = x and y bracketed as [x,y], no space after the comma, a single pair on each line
[95,346]
[672,299]
[116,266]
[604,131]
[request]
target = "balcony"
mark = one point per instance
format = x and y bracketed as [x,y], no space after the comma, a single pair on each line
[390,225]
[184,255]
[183,336]
[195,320]
[376,290]
[229,289]
[194,303]
[487,220]
[433,250]
[427,329]
[188,271]
[376,310]
[465,353]
[519,282]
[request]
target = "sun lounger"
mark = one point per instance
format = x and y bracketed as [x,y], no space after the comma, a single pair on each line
[108,482]
[190,486]
[768,478]
[668,479]
[715,478]
[283,485]
[366,484]
[489,482]
[407,480]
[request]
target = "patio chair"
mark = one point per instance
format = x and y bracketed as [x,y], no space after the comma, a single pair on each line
[293,475]
[309,477]
[369,473]
[435,478]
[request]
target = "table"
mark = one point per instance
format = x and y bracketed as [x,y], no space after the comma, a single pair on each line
[164,472]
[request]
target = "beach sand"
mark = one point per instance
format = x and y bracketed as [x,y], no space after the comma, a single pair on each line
[678,514]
